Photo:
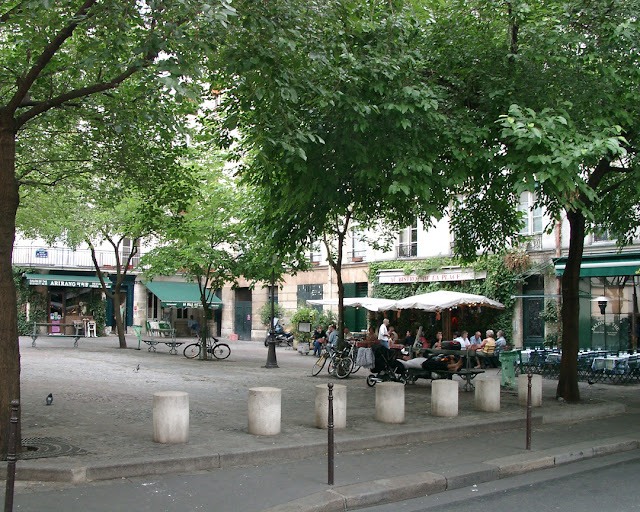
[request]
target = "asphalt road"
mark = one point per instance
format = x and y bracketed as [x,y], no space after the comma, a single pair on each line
[593,485]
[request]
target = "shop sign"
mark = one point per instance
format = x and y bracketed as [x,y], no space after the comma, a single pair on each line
[432,277]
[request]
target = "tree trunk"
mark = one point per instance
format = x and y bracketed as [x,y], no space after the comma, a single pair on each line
[568,380]
[120,327]
[9,347]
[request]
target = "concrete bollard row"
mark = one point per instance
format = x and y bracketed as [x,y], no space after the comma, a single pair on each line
[171,408]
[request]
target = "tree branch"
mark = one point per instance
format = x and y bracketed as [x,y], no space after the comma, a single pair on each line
[5,17]
[84,91]
[47,54]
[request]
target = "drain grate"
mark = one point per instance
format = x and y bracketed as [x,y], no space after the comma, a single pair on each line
[43,447]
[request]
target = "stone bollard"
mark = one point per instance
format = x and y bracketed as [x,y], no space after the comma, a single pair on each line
[390,402]
[339,406]
[265,411]
[536,390]
[171,417]
[488,394]
[444,398]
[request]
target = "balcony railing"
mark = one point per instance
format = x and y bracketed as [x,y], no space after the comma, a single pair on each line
[62,257]
[407,250]
[357,256]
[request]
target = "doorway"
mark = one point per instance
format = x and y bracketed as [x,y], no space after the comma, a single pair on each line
[243,313]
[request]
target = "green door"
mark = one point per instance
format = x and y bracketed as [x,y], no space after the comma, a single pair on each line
[355,318]
[242,323]
[533,335]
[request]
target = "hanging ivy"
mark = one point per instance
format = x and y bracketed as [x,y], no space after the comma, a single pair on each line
[27,295]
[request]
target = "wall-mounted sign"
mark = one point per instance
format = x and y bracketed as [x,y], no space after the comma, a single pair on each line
[398,277]
[42,253]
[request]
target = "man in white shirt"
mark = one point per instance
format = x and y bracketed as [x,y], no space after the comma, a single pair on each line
[383,333]
[463,340]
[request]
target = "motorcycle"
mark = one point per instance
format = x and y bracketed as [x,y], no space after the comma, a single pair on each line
[281,337]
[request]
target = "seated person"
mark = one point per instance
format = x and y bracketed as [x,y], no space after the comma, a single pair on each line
[501,343]
[462,339]
[319,337]
[393,335]
[437,344]
[475,341]
[487,348]
[409,339]
[372,335]
[332,340]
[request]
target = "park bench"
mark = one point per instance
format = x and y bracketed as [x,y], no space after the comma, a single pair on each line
[75,336]
[158,333]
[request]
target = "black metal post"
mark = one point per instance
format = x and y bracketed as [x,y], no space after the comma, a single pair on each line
[11,457]
[528,447]
[272,362]
[330,433]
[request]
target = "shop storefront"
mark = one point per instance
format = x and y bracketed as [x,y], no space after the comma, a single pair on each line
[176,302]
[610,323]
[68,297]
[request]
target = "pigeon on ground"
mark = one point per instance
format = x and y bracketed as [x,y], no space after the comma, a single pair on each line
[49,399]
[137,368]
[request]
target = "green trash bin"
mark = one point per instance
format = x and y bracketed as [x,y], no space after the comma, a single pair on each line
[507,363]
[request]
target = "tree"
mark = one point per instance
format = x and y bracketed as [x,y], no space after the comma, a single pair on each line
[55,57]
[130,187]
[208,245]
[334,107]
[548,107]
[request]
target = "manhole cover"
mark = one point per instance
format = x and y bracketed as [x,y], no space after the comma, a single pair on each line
[43,447]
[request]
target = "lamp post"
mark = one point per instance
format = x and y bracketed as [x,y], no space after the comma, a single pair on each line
[602,304]
[272,362]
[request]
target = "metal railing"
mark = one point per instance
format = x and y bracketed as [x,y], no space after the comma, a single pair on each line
[63,258]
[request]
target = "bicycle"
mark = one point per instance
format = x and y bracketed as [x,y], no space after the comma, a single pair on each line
[341,364]
[217,349]
[322,360]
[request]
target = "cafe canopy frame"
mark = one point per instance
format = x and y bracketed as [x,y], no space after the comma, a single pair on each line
[372,304]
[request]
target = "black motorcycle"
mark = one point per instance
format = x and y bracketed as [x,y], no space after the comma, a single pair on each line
[281,337]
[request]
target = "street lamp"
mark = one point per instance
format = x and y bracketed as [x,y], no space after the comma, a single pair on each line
[272,361]
[602,304]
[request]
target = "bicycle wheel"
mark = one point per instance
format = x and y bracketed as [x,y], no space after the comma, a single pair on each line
[192,351]
[221,351]
[317,368]
[371,380]
[343,367]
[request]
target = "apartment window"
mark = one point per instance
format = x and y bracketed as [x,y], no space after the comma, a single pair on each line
[532,214]
[309,292]
[358,245]
[315,254]
[601,235]
[127,247]
[408,241]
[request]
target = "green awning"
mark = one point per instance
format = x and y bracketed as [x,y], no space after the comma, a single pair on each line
[604,266]
[66,281]
[180,295]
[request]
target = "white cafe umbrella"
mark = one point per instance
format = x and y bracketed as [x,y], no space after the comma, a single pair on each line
[445,299]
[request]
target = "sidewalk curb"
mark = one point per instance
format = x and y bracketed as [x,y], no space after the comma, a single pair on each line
[36,470]
[377,492]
